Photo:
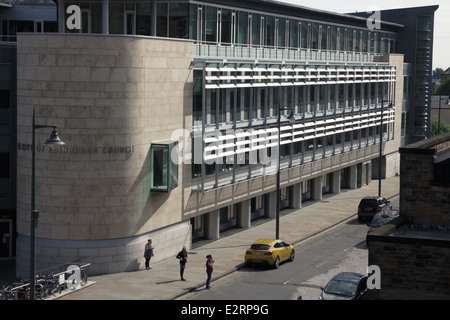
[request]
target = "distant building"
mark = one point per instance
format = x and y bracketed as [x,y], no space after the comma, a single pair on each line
[445,75]
[440,108]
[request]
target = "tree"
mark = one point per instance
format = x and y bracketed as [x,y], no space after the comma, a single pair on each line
[437,73]
[434,125]
[444,89]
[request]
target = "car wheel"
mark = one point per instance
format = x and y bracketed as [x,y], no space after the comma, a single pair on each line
[276,264]
[292,256]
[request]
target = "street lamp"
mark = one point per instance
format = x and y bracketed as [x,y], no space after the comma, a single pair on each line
[291,119]
[53,140]
[381,146]
[439,114]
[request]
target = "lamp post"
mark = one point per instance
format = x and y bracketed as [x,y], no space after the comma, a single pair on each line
[381,146]
[53,140]
[291,119]
[439,114]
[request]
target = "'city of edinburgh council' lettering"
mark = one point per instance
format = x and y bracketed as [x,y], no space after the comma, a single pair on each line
[78,150]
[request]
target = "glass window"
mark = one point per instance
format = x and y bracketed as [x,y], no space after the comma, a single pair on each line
[270,31]
[333,38]
[143,18]
[350,39]
[130,22]
[163,170]
[357,41]
[314,36]
[243,28]
[324,37]
[282,32]
[323,98]
[197,96]
[226,26]
[116,18]
[350,95]
[246,102]
[293,34]
[365,42]
[341,39]
[301,100]
[161,20]
[96,17]
[210,20]
[304,35]
[178,20]
[424,23]
[256,28]
[194,17]
[341,97]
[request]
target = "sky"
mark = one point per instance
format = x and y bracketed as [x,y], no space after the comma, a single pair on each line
[442,22]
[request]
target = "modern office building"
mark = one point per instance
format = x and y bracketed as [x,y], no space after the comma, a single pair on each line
[177,115]
[415,42]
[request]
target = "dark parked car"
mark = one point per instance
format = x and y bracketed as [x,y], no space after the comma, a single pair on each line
[345,286]
[370,206]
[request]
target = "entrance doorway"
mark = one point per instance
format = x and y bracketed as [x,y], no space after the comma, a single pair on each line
[5,239]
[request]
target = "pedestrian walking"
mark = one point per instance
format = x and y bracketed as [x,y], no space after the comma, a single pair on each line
[209,270]
[148,254]
[182,256]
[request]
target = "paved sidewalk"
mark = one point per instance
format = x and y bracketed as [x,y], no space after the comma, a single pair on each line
[162,282]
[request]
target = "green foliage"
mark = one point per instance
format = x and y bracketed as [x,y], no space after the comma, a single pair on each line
[434,124]
[437,73]
[444,88]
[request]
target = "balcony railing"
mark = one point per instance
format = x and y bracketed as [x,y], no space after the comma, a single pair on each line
[270,53]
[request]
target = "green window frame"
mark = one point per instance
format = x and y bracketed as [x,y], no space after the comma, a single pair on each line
[163,170]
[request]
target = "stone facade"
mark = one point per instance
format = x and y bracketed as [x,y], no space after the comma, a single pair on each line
[413,251]
[422,197]
[411,267]
[110,97]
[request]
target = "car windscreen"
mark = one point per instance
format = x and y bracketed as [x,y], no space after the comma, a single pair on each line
[341,287]
[257,246]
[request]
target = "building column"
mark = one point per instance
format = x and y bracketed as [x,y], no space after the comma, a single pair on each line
[369,172]
[212,225]
[363,174]
[61,16]
[295,196]
[153,25]
[353,177]
[270,204]
[335,185]
[316,188]
[244,216]
[105,16]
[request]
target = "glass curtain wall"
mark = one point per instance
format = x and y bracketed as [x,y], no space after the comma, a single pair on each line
[203,22]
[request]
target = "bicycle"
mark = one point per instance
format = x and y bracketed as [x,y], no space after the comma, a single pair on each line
[6,293]
[52,285]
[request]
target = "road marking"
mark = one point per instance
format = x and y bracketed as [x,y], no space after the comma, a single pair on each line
[320,264]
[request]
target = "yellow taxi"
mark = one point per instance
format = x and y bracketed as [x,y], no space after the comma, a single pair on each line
[269,252]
